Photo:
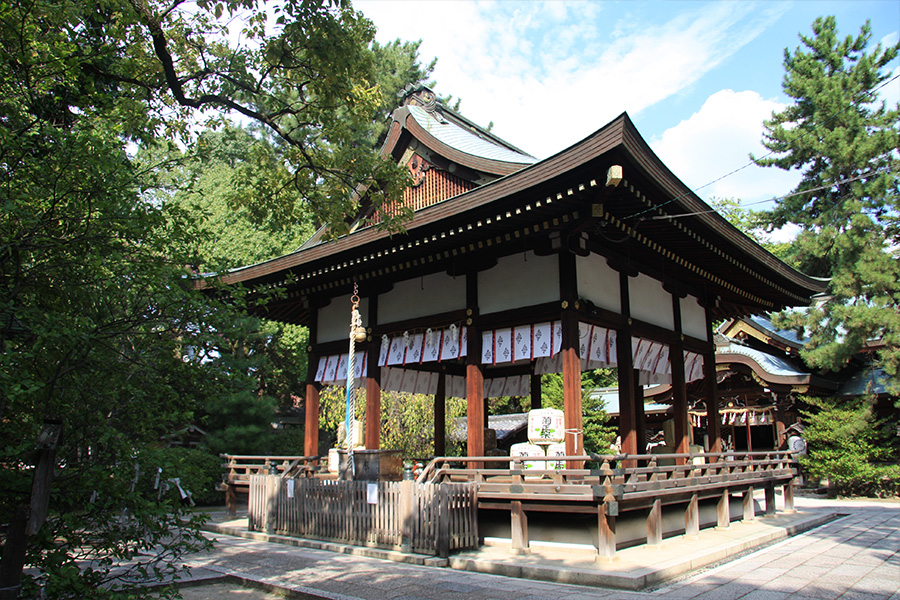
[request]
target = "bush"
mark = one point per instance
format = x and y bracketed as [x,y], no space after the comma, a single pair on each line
[199,472]
[849,448]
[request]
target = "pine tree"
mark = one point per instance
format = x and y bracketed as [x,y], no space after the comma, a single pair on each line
[845,141]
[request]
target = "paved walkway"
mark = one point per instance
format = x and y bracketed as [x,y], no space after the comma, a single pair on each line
[855,556]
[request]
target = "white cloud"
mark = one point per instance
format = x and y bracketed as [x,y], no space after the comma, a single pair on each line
[716,141]
[549,74]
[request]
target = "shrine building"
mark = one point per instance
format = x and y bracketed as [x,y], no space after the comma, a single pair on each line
[514,267]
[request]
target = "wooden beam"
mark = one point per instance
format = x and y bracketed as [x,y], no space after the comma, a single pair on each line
[311,405]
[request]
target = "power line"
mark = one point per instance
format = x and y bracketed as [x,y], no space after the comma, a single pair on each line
[805,132]
[776,198]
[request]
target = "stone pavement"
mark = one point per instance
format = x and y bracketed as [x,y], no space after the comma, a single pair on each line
[854,556]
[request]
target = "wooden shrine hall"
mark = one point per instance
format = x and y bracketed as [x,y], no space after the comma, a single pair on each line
[512,267]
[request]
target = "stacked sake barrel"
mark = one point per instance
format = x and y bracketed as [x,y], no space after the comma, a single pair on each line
[546,437]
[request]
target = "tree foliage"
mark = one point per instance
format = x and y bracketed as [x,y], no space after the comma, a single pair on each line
[598,435]
[848,203]
[849,448]
[100,327]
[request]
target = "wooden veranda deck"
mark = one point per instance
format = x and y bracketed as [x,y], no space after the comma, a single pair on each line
[438,513]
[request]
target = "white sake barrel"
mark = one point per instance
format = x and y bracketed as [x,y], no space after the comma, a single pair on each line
[556,450]
[546,426]
[525,449]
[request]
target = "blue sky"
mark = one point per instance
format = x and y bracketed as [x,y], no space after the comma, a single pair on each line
[697,78]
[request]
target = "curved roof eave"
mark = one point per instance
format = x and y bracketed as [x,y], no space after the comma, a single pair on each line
[619,134]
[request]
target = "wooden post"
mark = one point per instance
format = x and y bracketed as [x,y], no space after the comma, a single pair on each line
[407,514]
[606,539]
[231,499]
[749,511]
[519,528]
[443,524]
[723,510]
[272,489]
[654,524]
[789,497]
[692,517]
[770,500]
[440,416]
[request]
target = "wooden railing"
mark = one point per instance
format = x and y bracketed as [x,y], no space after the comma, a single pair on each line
[240,468]
[622,483]
[424,518]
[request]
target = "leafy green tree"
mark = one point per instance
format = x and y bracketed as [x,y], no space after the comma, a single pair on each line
[598,435]
[849,448]
[100,327]
[845,142]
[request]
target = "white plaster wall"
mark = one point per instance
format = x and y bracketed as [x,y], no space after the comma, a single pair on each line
[422,296]
[333,322]
[598,282]
[693,318]
[518,280]
[650,302]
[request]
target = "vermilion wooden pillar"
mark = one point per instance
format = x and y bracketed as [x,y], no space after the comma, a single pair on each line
[571,362]
[373,409]
[311,431]
[571,372]
[311,424]
[475,419]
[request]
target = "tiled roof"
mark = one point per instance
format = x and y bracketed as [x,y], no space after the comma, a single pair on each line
[465,140]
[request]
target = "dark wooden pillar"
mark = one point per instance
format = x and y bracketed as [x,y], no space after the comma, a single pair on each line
[475,419]
[625,368]
[536,401]
[373,384]
[713,421]
[440,416]
[679,387]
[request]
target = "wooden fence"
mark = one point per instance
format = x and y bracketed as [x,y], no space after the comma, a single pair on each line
[425,518]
